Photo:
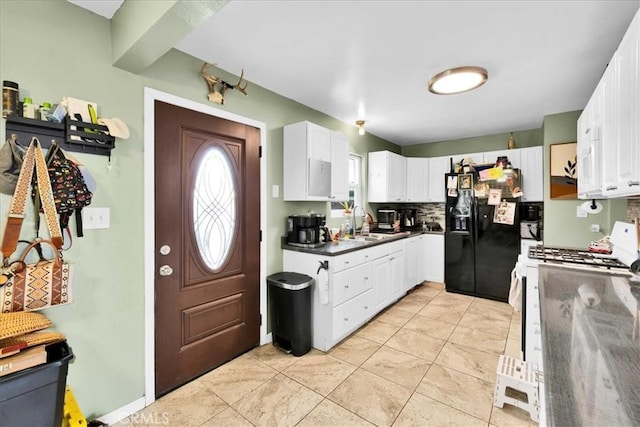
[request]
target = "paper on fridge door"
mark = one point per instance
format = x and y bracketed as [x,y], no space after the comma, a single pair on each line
[323,286]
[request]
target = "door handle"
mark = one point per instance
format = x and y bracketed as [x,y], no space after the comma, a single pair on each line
[633,183]
[166,270]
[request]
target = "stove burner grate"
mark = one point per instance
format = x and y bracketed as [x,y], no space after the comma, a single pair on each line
[574,256]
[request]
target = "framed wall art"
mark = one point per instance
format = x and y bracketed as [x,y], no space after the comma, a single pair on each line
[564,171]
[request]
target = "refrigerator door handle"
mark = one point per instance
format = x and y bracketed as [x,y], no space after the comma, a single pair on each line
[475,222]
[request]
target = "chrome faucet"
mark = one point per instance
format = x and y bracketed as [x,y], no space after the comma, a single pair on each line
[364,216]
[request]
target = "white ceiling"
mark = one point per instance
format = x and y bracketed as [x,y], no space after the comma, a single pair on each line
[372,60]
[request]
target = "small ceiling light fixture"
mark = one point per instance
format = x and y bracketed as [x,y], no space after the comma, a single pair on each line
[360,124]
[458,80]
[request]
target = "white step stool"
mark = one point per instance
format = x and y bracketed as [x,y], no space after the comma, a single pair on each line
[521,376]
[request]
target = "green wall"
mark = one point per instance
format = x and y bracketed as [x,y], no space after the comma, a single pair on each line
[561,226]
[476,144]
[55,49]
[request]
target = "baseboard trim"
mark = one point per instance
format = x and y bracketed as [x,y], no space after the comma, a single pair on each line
[123,412]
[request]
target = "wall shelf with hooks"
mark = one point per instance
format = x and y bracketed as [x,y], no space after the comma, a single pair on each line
[71,135]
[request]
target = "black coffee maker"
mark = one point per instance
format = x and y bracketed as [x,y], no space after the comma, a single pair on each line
[408,219]
[307,231]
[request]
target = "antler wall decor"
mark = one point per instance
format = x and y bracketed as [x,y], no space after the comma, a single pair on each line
[216,95]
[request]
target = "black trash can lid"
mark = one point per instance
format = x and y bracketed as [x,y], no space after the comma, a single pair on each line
[290,280]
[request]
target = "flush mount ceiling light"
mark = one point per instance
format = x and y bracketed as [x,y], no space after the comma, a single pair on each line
[360,124]
[458,80]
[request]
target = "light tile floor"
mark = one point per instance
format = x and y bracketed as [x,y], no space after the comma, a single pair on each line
[428,360]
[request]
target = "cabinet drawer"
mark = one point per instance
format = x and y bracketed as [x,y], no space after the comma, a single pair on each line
[395,246]
[376,252]
[349,283]
[350,260]
[350,315]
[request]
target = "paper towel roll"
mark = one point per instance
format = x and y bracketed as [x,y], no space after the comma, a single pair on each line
[588,295]
[323,286]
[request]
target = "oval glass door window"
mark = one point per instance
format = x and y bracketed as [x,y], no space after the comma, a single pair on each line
[214,208]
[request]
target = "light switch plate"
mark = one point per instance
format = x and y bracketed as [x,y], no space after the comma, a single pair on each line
[95,218]
[275,191]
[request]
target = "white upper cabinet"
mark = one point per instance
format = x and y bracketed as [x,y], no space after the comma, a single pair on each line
[417,175]
[387,177]
[438,166]
[618,164]
[628,110]
[532,170]
[315,163]
[589,148]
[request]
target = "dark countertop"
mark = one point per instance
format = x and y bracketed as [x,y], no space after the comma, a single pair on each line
[350,245]
[591,358]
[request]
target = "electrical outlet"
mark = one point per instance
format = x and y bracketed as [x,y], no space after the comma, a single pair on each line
[595,228]
[581,213]
[94,218]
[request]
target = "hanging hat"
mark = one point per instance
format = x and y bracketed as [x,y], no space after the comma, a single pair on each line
[117,127]
[11,155]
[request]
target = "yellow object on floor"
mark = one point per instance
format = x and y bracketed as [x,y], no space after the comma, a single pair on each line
[72,414]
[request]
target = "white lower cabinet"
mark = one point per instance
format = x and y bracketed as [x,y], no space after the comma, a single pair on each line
[380,283]
[415,257]
[360,284]
[396,275]
[433,259]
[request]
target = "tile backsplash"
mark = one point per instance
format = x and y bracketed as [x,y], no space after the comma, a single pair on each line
[633,209]
[429,212]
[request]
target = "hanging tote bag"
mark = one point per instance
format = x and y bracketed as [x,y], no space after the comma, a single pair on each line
[47,282]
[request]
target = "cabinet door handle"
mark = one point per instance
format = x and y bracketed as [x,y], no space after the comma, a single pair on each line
[612,187]
[346,286]
[366,257]
[366,278]
[633,183]
[346,319]
[346,263]
[536,348]
[366,307]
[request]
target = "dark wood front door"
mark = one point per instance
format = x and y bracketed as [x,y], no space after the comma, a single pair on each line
[207,243]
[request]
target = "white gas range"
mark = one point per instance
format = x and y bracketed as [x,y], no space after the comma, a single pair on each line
[624,240]
[578,263]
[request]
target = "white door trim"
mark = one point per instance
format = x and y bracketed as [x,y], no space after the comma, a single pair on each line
[150,96]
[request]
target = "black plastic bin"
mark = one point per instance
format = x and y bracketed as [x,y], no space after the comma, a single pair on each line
[290,311]
[35,396]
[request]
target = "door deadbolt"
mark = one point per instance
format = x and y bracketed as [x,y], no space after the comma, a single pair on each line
[166,270]
[165,250]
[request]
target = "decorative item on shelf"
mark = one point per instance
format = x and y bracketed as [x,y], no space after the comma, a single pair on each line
[511,143]
[10,96]
[29,108]
[216,95]
[360,124]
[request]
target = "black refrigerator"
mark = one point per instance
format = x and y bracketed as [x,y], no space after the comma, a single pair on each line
[482,236]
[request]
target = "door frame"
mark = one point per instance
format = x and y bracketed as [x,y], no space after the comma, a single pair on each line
[150,96]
